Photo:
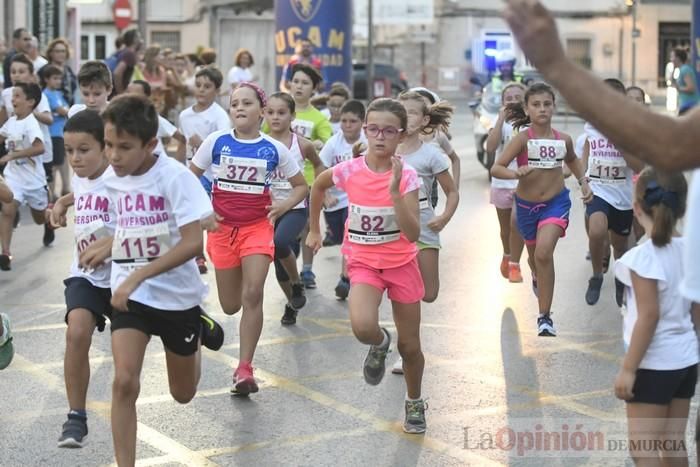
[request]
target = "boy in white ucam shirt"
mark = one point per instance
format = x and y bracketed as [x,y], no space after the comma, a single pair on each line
[156,289]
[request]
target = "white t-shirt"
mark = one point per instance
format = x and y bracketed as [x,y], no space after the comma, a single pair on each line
[690,287]
[610,177]
[675,344]
[334,125]
[27,172]
[202,123]
[428,161]
[95,218]
[337,150]
[165,130]
[39,62]
[42,107]
[237,75]
[279,184]
[150,210]
[580,145]
[75,108]
[507,134]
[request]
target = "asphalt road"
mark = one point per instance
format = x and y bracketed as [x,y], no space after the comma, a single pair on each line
[496,391]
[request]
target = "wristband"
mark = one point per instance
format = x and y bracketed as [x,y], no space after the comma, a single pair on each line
[583,179]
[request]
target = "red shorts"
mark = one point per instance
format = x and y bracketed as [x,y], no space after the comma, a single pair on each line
[228,245]
[403,284]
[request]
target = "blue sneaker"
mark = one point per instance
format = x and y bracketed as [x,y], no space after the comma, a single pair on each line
[308,278]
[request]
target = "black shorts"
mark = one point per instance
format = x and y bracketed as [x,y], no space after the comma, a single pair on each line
[80,293]
[59,151]
[619,221]
[178,329]
[335,221]
[661,386]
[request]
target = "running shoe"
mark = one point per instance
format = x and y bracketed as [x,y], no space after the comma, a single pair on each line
[290,315]
[243,380]
[593,292]
[545,326]
[535,290]
[308,278]
[49,235]
[298,296]
[415,417]
[342,288]
[7,348]
[397,369]
[75,431]
[514,273]
[5,262]
[374,366]
[212,332]
[619,292]
[504,266]
[202,264]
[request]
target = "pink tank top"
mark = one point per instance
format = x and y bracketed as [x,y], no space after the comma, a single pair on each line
[522,157]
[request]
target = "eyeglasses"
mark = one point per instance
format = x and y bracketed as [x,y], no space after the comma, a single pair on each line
[390,132]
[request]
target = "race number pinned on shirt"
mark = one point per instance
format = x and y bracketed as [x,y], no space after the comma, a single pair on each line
[137,246]
[242,175]
[303,128]
[372,225]
[90,233]
[423,202]
[608,170]
[279,182]
[546,153]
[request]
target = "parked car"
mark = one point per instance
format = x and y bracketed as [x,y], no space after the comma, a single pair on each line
[397,78]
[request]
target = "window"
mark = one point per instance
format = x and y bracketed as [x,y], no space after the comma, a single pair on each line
[93,47]
[85,47]
[100,47]
[166,39]
[579,50]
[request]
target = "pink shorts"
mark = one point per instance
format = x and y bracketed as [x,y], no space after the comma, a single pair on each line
[403,284]
[502,198]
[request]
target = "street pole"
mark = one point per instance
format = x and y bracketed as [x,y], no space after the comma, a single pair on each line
[695,46]
[143,20]
[370,51]
[634,43]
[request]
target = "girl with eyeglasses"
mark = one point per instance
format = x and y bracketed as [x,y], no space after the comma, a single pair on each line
[379,244]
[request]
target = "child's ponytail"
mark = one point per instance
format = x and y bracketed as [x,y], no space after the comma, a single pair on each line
[663,198]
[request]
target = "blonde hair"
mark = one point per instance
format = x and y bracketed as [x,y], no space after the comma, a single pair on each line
[439,113]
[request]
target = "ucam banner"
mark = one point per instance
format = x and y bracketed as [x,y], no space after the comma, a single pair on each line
[327,24]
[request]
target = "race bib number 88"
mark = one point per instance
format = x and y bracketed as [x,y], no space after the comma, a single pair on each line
[545,153]
[372,225]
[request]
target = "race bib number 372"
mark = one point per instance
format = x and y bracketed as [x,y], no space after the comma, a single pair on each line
[242,175]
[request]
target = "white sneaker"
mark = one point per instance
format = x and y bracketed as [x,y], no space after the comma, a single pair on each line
[397,369]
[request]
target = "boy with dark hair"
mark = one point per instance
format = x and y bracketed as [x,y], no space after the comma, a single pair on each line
[51,78]
[95,83]
[24,172]
[199,121]
[156,289]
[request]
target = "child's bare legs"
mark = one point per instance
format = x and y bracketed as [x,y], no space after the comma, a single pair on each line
[649,425]
[364,313]
[407,320]
[547,237]
[7,218]
[76,363]
[429,264]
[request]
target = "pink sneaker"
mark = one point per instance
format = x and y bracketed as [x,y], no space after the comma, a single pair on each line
[243,380]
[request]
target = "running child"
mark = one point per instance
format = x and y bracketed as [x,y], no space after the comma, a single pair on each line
[24,172]
[7,349]
[166,130]
[542,200]
[610,215]
[87,291]
[95,83]
[197,122]
[156,289]
[279,114]
[313,125]
[337,97]
[383,227]
[243,161]
[51,78]
[660,367]
[502,191]
[335,206]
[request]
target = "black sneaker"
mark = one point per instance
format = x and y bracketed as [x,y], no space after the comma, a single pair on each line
[374,366]
[298,296]
[5,262]
[290,315]
[212,332]
[619,292]
[593,292]
[49,235]
[545,326]
[342,289]
[75,431]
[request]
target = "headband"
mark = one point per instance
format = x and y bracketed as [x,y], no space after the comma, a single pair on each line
[656,194]
[258,90]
